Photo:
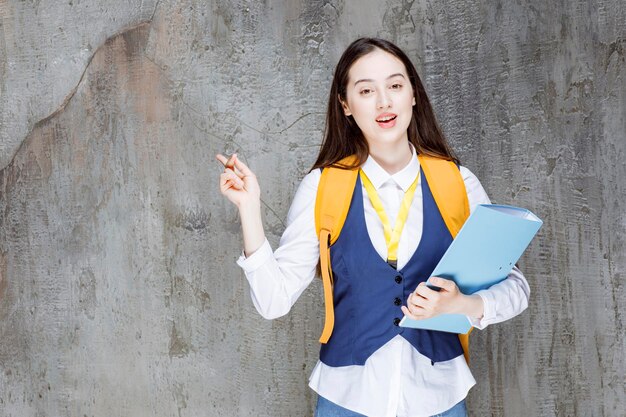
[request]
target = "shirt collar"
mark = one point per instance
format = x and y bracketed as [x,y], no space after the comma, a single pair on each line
[404,178]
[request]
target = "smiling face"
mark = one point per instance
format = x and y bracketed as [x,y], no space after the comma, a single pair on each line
[379,97]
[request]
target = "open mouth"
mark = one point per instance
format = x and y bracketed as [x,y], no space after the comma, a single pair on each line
[387,121]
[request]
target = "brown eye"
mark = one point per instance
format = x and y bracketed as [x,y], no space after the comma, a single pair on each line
[396,86]
[365,91]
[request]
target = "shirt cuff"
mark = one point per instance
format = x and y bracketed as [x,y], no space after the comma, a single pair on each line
[257,259]
[489,313]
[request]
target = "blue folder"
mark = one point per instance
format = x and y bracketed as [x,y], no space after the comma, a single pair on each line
[483,253]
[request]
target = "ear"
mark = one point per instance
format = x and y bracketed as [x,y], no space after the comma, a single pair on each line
[414,100]
[344,105]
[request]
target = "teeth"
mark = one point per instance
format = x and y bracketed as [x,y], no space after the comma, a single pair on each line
[386,119]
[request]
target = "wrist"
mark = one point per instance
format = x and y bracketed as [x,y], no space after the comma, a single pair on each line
[472,306]
[252,226]
[249,207]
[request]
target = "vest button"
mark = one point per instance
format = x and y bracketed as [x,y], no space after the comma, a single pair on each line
[397,301]
[396,321]
[398,279]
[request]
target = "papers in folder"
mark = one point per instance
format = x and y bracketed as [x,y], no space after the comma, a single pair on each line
[483,253]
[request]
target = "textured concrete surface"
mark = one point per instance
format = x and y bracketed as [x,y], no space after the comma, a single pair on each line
[119,295]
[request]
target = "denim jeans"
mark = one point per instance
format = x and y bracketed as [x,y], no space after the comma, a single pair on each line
[326,408]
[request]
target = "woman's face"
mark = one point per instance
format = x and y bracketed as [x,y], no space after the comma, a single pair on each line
[379,97]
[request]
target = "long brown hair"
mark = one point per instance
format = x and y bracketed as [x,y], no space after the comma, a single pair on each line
[342,136]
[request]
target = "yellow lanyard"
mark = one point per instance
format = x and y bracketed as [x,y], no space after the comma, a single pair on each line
[392,237]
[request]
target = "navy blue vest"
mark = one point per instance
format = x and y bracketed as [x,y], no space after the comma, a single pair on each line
[367,292]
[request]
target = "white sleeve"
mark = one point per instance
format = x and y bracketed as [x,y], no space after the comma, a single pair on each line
[509,297]
[278,279]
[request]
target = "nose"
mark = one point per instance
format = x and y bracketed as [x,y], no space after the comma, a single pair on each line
[383,100]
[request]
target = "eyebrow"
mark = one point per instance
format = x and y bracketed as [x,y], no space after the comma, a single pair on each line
[370,80]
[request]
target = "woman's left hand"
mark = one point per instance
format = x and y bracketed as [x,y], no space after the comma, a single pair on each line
[425,303]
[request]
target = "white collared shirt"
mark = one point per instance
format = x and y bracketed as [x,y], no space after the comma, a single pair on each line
[396,380]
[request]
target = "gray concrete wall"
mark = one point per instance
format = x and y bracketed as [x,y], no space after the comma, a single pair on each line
[119,294]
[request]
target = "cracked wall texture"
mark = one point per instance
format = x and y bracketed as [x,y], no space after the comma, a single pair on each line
[119,294]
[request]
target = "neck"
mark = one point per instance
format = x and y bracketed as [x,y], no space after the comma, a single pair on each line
[392,157]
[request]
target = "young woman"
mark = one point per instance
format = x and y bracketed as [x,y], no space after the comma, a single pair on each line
[378,110]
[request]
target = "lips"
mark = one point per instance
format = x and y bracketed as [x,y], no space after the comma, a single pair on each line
[386,120]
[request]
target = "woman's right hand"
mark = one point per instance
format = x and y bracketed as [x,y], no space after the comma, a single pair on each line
[238,183]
